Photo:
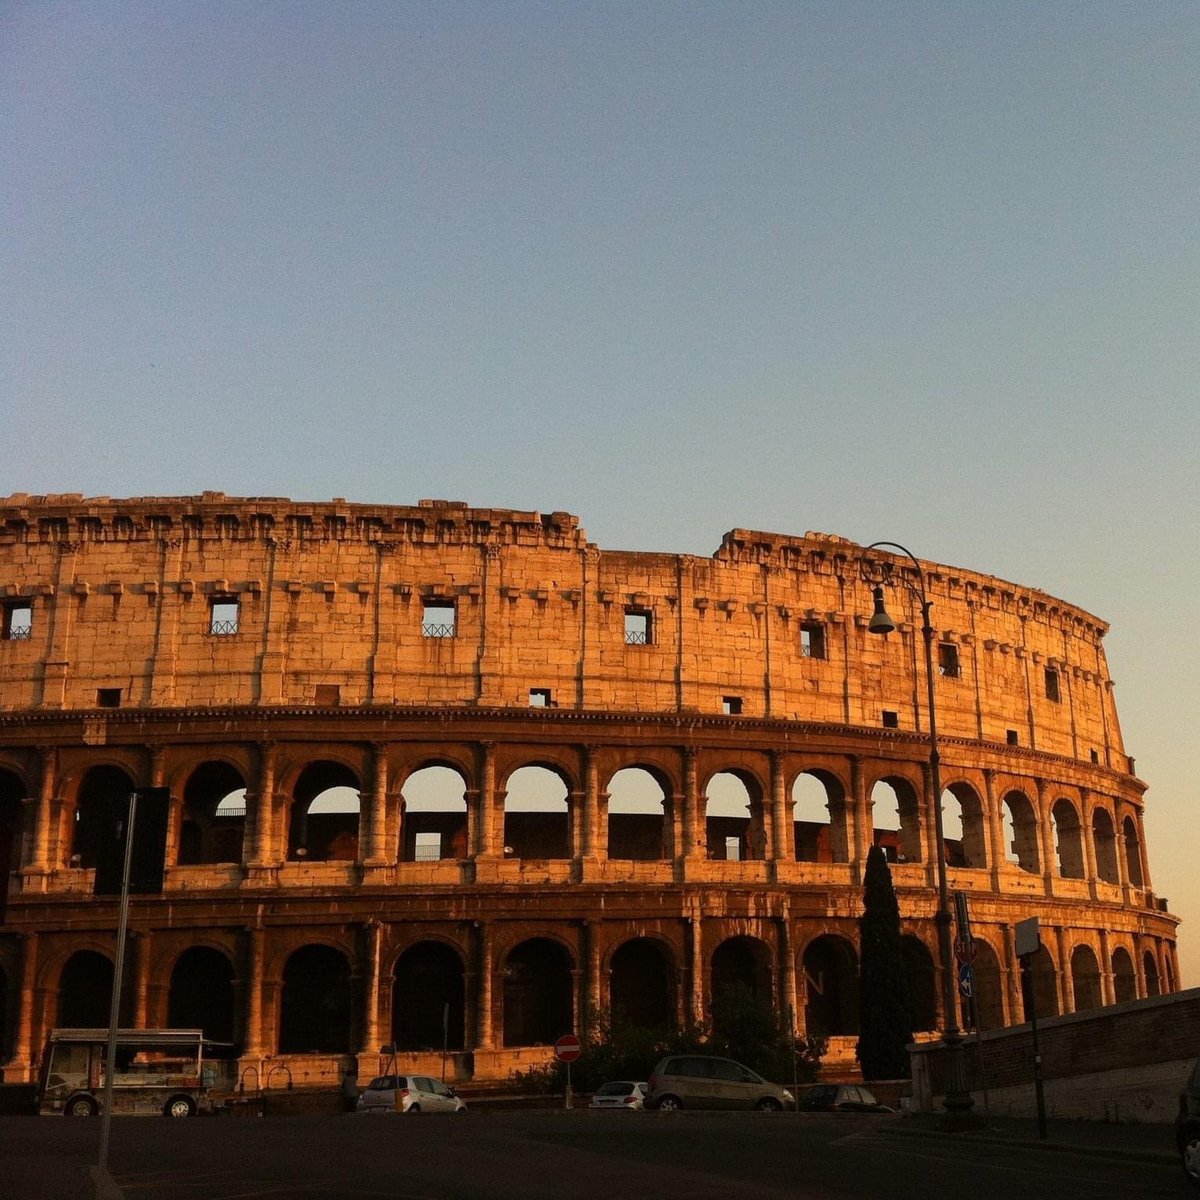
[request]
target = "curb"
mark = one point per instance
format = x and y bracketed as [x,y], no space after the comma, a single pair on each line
[1162,1158]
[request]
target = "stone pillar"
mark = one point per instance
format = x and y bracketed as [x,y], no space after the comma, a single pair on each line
[486,847]
[595,992]
[22,1055]
[252,1035]
[23,850]
[1108,991]
[370,1013]
[1086,832]
[1142,856]
[593,843]
[782,846]
[997,855]
[695,846]
[863,808]
[787,960]
[1066,990]
[265,851]
[45,810]
[928,828]
[1012,974]
[140,1007]
[1046,836]
[486,1038]
[697,980]
[376,852]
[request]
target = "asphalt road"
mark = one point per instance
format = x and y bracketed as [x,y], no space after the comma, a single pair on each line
[552,1155]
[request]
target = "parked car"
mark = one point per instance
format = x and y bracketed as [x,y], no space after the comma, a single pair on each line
[409,1094]
[1187,1127]
[621,1093]
[702,1081]
[840,1097]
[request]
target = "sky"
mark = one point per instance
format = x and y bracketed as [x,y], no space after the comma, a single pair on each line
[923,272]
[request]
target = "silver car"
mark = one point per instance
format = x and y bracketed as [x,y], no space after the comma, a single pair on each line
[703,1081]
[409,1094]
[623,1094]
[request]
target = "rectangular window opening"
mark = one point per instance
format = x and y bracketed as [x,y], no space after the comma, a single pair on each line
[1052,692]
[948,660]
[223,616]
[438,619]
[891,720]
[731,706]
[812,640]
[18,620]
[733,849]
[329,694]
[639,629]
[539,698]
[1013,739]
[1096,756]
[108,697]
[427,847]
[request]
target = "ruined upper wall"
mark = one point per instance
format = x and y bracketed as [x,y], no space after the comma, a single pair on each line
[331,599]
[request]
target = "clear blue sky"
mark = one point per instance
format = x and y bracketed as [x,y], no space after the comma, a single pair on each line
[927,272]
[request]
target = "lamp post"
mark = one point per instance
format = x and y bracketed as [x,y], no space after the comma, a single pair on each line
[958,1099]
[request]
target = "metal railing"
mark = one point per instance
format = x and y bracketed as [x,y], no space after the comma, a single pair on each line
[437,629]
[636,637]
[18,633]
[223,628]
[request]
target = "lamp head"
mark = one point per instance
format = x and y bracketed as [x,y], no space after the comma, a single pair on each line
[880,621]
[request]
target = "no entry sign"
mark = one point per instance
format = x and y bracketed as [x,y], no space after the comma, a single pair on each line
[568,1048]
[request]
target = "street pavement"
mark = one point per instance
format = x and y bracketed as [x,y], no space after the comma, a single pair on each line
[557,1155]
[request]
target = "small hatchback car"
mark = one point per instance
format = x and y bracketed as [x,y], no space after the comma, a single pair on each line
[1187,1127]
[409,1094]
[623,1093]
[702,1081]
[840,1097]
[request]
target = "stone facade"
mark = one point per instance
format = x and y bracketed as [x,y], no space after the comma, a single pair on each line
[291,671]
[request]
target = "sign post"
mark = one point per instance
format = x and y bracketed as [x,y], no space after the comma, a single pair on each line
[966,952]
[567,1049]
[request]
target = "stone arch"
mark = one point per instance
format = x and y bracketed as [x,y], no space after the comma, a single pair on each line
[325,809]
[639,815]
[734,820]
[741,961]
[428,998]
[896,820]
[964,826]
[201,995]
[315,1002]
[85,991]
[922,982]
[1133,851]
[1020,831]
[103,797]
[1150,970]
[1085,979]
[1104,838]
[12,792]
[1068,839]
[642,984]
[830,973]
[538,993]
[819,824]
[1040,981]
[538,816]
[989,989]
[1124,976]
[213,819]
[434,821]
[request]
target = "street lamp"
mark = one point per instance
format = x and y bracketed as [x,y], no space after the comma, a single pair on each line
[958,1100]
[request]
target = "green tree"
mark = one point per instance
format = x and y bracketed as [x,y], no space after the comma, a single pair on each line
[885,1014]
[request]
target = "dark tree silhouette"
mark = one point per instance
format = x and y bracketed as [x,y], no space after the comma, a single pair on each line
[885,1015]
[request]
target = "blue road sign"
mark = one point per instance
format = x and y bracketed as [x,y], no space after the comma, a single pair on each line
[966,980]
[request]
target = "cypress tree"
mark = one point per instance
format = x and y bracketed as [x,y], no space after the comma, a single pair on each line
[885,1014]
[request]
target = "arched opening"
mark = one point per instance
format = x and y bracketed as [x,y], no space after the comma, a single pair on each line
[922,982]
[733,817]
[427,991]
[1150,968]
[537,817]
[1085,979]
[963,827]
[988,989]
[102,800]
[1020,832]
[1124,976]
[1133,852]
[434,825]
[638,826]
[1068,842]
[1040,979]
[819,832]
[325,811]
[12,792]
[742,961]
[538,1000]
[315,1005]
[5,1046]
[1104,838]
[896,819]
[641,989]
[85,991]
[214,815]
[830,987]
[201,996]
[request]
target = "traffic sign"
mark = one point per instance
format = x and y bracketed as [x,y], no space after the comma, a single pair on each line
[568,1048]
[966,980]
[965,949]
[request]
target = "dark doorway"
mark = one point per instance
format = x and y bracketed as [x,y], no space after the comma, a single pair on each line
[922,984]
[85,991]
[314,1010]
[831,988]
[428,988]
[201,995]
[640,989]
[537,994]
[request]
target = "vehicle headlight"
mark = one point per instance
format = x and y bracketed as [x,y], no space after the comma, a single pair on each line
[788,1096]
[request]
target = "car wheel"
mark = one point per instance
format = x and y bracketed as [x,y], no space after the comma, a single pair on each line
[669,1104]
[414,1108]
[179,1106]
[1189,1156]
[81,1106]
[769,1104]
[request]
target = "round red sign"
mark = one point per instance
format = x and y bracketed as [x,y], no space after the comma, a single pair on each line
[568,1048]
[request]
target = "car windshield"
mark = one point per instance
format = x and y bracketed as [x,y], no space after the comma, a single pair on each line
[614,1089]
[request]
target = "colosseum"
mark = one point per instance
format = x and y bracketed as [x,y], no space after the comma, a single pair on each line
[452,775]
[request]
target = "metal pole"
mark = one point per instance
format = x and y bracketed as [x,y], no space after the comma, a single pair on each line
[114,1008]
[1031,999]
[445,1035]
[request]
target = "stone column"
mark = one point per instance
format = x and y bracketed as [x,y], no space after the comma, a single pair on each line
[1066,990]
[997,856]
[928,828]
[788,971]
[693,818]
[45,810]
[265,851]
[252,1035]
[1012,974]
[23,850]
[1046,836]
[140,1007]
[595,998]
[697,980]
[594,841]
[370,1016]
[1142,855]
[1107,985]
[486,1038]
[1086,832]
[862,807]
[22,1055]
[782,846]
[486,847]
[376,852]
